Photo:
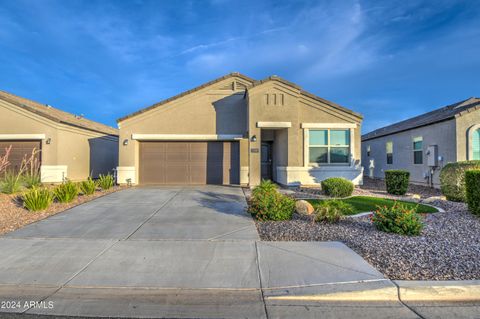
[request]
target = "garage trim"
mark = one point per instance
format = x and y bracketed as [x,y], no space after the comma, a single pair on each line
[186,137]
[22,136]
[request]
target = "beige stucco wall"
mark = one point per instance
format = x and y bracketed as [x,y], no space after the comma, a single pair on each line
[82,151]
[464,124]
[441,134]
[293,107]
[220,110]
[214,110]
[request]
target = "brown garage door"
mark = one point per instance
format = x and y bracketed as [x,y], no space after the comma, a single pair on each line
[20,149]
[189,163]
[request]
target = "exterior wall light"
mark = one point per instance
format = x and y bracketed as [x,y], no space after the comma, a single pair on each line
[253,138]
[125,142]
[48,141]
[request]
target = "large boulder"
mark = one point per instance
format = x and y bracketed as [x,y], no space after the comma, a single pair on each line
[303,207]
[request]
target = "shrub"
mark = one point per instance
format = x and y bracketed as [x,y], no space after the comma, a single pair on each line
[267,203]
[37,199]
[87,187]
[331,211]
[397,181]
[105,181]
[11,183]
[452,179]
[472,186]
[31,180]
[398,219]
[337,187]
[66,192]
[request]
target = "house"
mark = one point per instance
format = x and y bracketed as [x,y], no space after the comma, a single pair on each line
[68,146]
[425,143]
[236,130]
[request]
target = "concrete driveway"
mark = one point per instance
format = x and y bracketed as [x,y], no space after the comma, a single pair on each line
[171,252]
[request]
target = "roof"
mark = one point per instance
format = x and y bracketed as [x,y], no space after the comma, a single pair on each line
[230,75]
[439,115]
[57,115]
[254,84]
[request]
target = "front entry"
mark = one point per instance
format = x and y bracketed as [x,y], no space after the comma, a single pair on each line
[266,160]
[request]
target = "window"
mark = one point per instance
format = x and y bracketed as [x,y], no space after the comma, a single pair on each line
[418,150]
[329,146]
[368,150]
[389,149]
[476,144]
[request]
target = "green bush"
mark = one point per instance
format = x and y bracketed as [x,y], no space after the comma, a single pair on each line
[267,203]
[398,219]
[31,180]
[87,187]
[337,187]
[332,211]
[397,181]
[105,181]
[11,183]
[472,186]
[452,179]
[37,199]
[66,192]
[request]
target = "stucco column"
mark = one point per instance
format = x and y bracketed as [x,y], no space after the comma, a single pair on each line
[255,157]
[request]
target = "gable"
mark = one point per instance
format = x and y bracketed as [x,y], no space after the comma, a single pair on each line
[228,84]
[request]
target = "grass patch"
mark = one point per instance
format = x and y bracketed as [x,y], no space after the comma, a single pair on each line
[362,204]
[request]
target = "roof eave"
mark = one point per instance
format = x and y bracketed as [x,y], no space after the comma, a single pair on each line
[175,97]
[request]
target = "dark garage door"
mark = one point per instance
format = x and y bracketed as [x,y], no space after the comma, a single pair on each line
[189,163]
[20,149]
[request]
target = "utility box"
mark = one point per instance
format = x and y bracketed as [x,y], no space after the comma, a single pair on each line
[432,155]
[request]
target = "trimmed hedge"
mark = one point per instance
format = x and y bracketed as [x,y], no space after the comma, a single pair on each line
[337,187]
[452,179]
[472,186]
[267,203]
[396,181]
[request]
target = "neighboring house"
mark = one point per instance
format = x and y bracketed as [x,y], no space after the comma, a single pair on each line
[236,130]
[70,146]
[424,144]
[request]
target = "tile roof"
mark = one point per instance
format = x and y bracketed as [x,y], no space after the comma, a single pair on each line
[57,115]
[435,116]
[254,83]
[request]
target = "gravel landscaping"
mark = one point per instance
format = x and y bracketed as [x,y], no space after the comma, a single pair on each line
[13,216]
[447,249]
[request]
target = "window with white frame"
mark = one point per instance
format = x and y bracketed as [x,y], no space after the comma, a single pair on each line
[329,146]
[389,150]
[368,150]
[476,144]
[418,150]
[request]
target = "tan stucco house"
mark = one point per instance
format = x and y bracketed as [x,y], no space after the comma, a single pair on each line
[70,146]
[237,130]
[425,143]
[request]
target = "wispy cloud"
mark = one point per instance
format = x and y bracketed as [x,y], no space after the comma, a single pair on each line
[112,57]
[229,40]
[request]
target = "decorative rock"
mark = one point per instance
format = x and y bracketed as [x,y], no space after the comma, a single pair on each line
[303,207]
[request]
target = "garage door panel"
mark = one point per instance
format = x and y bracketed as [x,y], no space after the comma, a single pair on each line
[189,163]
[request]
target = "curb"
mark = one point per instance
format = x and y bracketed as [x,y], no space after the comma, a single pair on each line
[381,291]
[463,290]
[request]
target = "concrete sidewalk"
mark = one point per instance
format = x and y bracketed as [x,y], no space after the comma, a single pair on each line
[182,253]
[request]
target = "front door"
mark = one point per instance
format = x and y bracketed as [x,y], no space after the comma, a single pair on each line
[266,160]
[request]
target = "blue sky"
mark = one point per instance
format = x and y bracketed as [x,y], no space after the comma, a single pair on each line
[388,60]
